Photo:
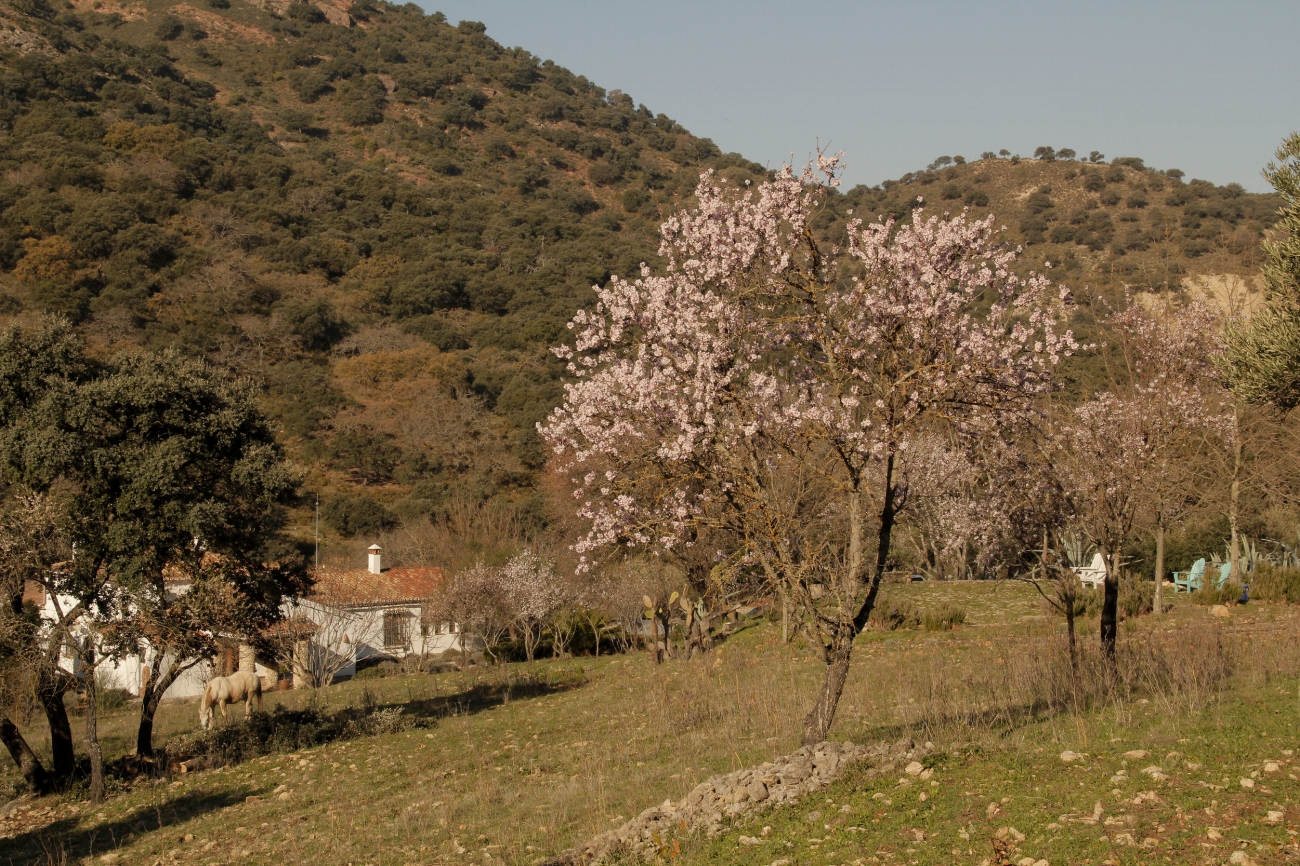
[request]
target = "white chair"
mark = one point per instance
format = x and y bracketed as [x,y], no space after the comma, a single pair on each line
[1093,575]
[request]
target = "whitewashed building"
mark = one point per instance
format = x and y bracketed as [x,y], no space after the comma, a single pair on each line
[359,615]
[131,672]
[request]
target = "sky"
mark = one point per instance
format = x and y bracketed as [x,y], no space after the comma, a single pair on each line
[1210,88]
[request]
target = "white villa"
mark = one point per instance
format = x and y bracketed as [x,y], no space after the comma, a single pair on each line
[350,616]
[361,614]
[131,672]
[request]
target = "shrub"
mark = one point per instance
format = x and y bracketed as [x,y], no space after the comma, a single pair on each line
[1094,182]
[1110,198]
[604,173]
[169,28]
[1136,597]
[896,614]
[351,515]
[1209,594]
[112,698]
[977,198]
[943,618]
[1272,583]
[284,730]
[379,671]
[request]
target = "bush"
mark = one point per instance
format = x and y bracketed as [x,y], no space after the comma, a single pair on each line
[377,672]
[353,515]
[1136,597]
[112,698]
[943,618]
[284,730]
[1209,594]
[896,614]
[1272,583]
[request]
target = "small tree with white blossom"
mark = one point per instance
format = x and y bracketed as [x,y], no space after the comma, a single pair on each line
[762,354]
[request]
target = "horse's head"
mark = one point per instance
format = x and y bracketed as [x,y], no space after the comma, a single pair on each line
[205,711]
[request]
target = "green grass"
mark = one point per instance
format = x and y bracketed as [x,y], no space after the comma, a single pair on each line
[525,761]
[955,816]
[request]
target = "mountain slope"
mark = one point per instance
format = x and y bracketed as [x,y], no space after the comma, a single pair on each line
[387,219]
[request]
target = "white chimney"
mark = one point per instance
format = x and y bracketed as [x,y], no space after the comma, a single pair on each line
[376,559]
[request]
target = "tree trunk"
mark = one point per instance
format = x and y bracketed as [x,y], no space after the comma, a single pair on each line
[654,640]
[1043,566]
[1234,555]
[50,690]
[785,615]
[1160,565]
[1069,630]
[24,757]
[92,739]
[817,723]
[153,693]
[1110,613]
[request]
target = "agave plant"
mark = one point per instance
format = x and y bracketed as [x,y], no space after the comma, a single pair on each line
[1078,549]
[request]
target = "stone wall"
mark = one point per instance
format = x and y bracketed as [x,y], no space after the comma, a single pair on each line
[710,803]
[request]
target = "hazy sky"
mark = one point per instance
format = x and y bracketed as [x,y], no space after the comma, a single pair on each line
[1210,88]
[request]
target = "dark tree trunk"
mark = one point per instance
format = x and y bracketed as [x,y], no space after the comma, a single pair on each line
[92,740]
[1110,619]
[1159,603]
[50,691]
[24,757]
[154,690]
[817,724]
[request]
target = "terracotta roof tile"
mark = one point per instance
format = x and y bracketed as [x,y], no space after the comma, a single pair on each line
[359,586]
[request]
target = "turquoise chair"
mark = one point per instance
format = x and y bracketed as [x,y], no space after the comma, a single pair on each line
[1224,571]
[1190,581]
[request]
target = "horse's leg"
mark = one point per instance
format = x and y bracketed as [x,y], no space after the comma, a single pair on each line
[222,702]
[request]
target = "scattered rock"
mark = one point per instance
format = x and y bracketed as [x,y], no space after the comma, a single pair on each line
[784,780]
[1271,767]
[750,840]
[1221,611]
[1274,817]
[1241,858]
[1213,834]
[1070,757]
[1010,833]
[1247,783]
[1155,772]
[1136,754]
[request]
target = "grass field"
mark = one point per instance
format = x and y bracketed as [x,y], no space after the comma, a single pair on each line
[523,761]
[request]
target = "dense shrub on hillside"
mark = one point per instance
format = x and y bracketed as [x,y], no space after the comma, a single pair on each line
[1274,583]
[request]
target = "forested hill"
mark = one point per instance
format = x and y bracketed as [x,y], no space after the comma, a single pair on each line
[387,218]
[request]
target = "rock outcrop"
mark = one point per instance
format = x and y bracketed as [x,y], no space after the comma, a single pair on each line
[710,803]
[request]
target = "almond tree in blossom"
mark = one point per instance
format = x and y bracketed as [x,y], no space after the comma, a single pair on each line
[533,592]
[771,385]
[1120,452]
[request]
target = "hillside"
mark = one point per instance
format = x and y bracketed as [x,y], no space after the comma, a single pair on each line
[387,219]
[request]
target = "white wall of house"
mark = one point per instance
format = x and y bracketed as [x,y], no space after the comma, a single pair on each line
[128,672]
[363,632]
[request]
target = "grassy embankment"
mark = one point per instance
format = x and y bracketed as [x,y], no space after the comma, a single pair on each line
[524,762]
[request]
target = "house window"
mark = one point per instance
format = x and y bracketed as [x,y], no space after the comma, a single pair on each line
[396,623]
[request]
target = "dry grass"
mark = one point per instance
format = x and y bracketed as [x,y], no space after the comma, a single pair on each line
[517,777]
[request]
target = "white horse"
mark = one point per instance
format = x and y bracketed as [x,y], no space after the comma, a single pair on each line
[239,686]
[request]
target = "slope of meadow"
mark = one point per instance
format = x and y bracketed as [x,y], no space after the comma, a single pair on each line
[519,762]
